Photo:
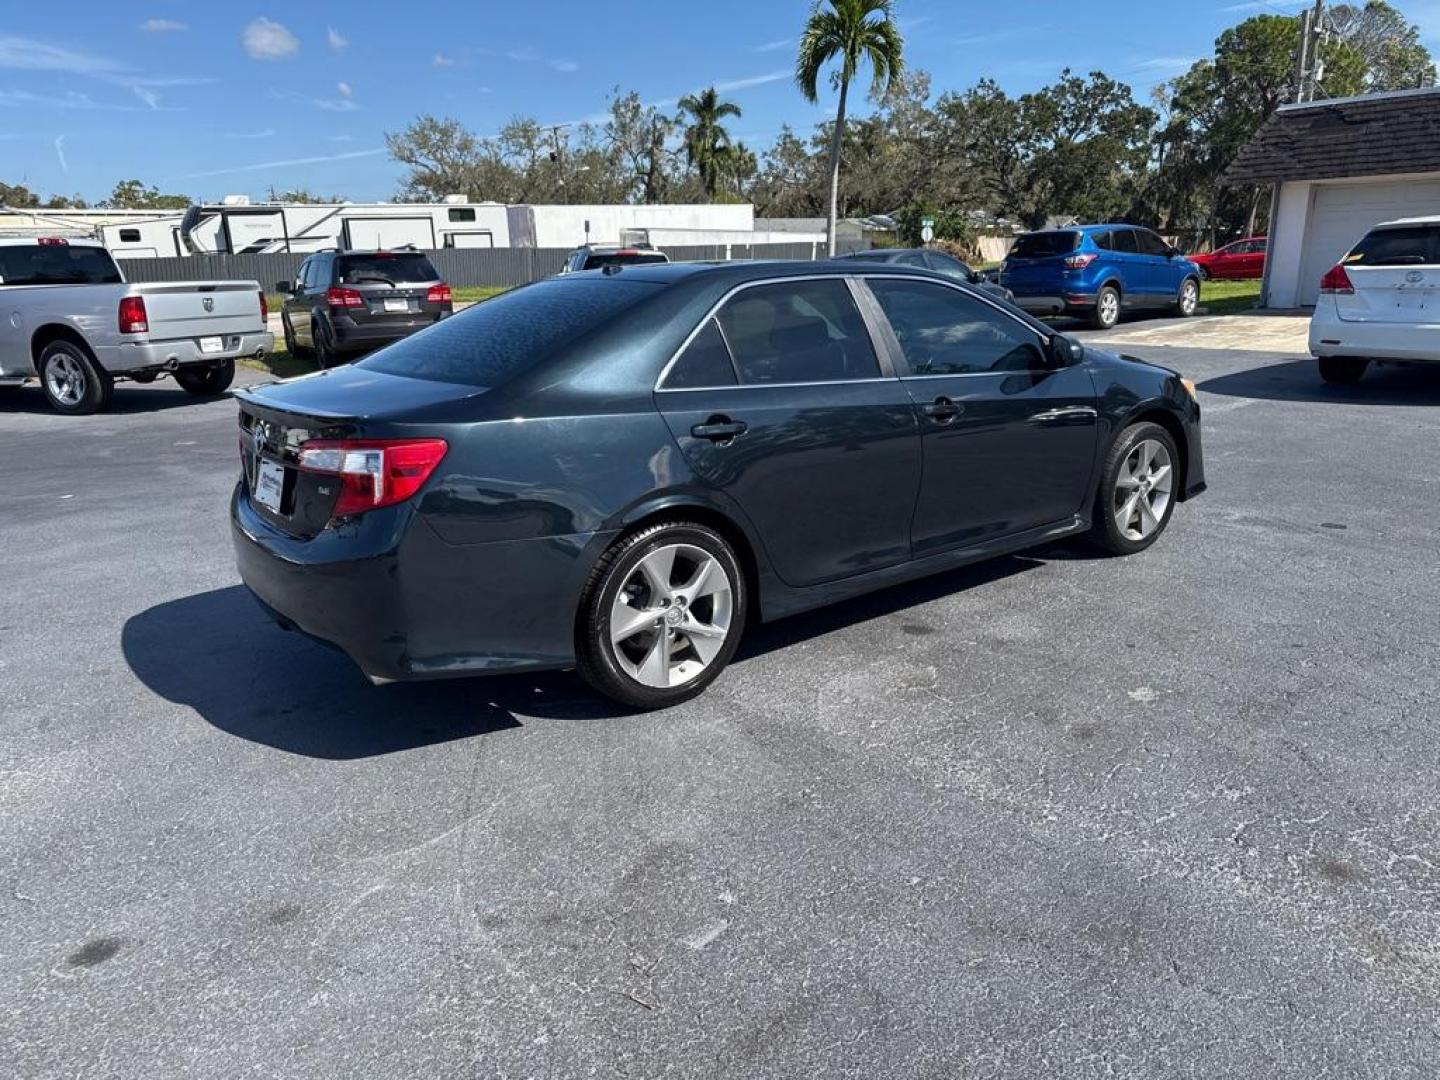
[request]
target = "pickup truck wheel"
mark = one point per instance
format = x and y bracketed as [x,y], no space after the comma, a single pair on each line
[73,383]
[207,380]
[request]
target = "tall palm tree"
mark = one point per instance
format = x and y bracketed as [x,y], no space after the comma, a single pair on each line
[852,32]
[707,143]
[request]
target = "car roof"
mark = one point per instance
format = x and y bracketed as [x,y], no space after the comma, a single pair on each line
[1431,219]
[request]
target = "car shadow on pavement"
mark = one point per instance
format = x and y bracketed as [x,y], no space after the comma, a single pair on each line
[127,400]
[1299,380]
[219,654]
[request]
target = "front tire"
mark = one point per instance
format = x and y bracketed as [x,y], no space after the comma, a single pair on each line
[207,380]
[661,615]
[1137,490]
[1107,308]
[1189,299]
[1342,370]
[74,383]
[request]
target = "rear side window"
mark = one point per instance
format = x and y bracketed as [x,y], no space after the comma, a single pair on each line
[1039,245]
[1105,241]
[945,332]
[798,332]
[1410,245]
[384,268]
[56,264]
[705,362]
[1124,240]
[493,341]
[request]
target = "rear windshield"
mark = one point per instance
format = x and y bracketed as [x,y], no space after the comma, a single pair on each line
[384,268]
[1037,245]
[493,341]
[56,264]
[1409,245]
[624,258]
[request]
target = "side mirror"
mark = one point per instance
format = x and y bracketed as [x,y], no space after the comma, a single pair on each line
[1066,352]
[284,288]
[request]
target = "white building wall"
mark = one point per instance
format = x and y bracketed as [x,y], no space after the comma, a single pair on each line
[564,226]
[1287,244]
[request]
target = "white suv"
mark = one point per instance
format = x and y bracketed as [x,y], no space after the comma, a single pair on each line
[1380,302]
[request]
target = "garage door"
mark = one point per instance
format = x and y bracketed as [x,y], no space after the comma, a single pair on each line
[1343,213]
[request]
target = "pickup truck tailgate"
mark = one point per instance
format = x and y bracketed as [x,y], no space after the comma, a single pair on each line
[187,309]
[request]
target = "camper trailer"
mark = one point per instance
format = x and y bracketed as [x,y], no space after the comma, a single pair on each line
[238,227]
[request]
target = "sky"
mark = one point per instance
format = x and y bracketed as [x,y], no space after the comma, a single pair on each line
[210,99]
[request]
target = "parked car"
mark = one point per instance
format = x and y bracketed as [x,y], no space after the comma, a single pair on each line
[345,303]
[617,471]
[941,262]
[599,256]
[1242,259]
[1380,302]
[1099,271]
[75,323]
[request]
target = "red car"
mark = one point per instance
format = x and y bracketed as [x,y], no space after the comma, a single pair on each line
[1242,259]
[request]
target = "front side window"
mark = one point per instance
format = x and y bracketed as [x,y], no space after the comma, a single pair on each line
[798,332]
[705,362]
[942,331]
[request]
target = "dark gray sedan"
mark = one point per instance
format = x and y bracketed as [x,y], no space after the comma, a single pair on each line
[939,261]
[616,470]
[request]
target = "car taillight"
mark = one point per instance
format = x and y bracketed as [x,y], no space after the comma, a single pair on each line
[264,306]
[1336,280]
[1079,262]
[133,319]
[373,472]
[438,294]
[343,298]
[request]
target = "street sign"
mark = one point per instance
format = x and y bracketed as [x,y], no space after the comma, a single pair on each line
[927,232]
[927,223]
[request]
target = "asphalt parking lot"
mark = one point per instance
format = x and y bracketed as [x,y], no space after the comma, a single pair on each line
[1170,816]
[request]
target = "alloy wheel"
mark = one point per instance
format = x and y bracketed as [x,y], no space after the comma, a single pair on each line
[65,378]
[1189,298]
[1142,490]
[1109,307]
[672,616]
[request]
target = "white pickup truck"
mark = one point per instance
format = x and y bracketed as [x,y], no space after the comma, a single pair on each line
[68,317]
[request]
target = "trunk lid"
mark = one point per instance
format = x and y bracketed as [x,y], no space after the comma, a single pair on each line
[178,309]
[1395,274]
[341,403]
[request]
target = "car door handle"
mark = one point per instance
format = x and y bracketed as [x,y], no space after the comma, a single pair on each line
[943,410]
[720,429]
[1074,414]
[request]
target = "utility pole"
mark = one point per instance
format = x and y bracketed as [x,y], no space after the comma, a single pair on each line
[1309,67]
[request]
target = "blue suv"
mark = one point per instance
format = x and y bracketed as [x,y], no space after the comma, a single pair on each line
[1098,271]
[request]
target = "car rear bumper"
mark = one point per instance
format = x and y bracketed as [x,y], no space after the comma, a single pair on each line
[179,352]
[1332,336]
[405,605]
[358,336]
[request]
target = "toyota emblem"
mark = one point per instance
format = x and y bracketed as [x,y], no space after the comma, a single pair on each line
[1414,277]
[208,303]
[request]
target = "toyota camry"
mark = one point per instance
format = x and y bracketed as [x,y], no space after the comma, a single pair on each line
[618,470]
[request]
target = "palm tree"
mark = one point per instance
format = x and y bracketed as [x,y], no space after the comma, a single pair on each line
[851,32]
[707,143]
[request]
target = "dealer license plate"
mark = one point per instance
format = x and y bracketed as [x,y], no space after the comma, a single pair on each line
[397,305]
[212,344]
[269,483]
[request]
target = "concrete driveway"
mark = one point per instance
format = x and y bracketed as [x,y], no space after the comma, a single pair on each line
[1169,816]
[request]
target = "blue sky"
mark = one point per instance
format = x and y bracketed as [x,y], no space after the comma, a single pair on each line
[212,98]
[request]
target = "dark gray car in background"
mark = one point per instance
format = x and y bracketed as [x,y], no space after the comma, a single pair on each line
[941,262]
[345,303]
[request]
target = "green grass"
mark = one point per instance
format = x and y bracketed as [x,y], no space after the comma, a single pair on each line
[1229,297]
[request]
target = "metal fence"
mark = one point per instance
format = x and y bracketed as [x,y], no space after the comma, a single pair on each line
[462,267]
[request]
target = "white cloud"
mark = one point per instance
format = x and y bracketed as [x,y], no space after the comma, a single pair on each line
[564,65]
[774,46]
[442,61]
[341,104]
[149,97]
[346,90]
[338,42]
[266,40]
[530,56]
[70,100]
[23,54]
[267,133]
[60,153]
[263,165]
[163,26]
[754,80]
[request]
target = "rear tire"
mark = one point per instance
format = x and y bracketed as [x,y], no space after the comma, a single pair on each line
[1342,370]
[324,354]
[206,380]
[1107,308]
[73,382]
[292,346]
[1138,489]
[661,615]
